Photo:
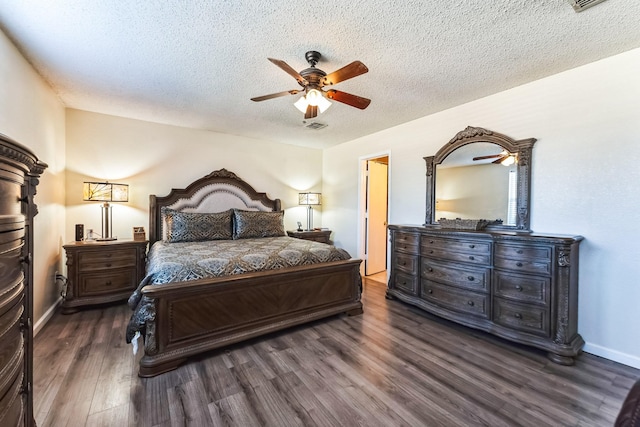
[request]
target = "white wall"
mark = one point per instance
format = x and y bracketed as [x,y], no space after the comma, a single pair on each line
[585,181]
[31,114]
[154,158]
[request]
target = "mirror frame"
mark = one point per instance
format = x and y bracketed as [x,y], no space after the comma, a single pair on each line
[522,148]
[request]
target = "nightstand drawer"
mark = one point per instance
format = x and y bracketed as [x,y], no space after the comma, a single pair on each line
[107,259]
[115,281]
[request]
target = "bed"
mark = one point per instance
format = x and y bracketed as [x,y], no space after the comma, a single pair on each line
[196,314]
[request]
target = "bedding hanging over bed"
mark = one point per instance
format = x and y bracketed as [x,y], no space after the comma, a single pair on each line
[185,261]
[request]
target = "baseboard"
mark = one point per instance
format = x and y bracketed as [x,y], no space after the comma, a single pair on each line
[613,355]
[46,317]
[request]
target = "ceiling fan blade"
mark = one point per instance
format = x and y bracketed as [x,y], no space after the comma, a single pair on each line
[348,71]
[493,156]
[347,98]
[499,160]
[275,95]
[312,111]
[287,68]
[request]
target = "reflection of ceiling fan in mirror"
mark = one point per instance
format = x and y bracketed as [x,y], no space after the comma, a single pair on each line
[313,79]
[504,157]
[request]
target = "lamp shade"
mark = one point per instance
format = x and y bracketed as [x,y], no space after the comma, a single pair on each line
[105,192]
[309,198]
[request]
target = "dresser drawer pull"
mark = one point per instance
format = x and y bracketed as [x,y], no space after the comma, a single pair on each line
[518,316]
[519,251]
[108,283]
[430,241]
[519,288]
[430,270]
[109,265]
[26,259]
[471,303]
[472,246]
[109,255]
[472,258]
[404,283]
[404,262]
[518,264]
[471,278]
[431,251]
[429,291]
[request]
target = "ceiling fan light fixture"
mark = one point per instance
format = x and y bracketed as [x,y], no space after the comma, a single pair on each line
[313,97]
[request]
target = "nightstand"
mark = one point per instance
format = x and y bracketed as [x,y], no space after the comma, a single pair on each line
[323,236]
[100,272]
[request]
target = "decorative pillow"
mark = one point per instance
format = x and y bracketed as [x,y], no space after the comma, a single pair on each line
[248,224]
[192,226]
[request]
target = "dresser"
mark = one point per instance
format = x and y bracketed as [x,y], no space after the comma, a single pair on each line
[19,173]
[101,272]
[519,286]
[322,236]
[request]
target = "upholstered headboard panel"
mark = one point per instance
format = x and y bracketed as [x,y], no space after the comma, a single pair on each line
[219,191]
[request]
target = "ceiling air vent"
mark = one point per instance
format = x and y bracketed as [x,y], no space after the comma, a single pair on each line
[580,5]
[316,126]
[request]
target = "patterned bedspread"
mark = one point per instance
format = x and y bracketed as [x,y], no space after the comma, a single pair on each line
[184,261]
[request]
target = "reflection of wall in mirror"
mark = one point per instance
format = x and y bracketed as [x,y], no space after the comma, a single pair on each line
[473,192]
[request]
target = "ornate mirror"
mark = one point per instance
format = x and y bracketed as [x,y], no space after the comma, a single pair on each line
[480,175]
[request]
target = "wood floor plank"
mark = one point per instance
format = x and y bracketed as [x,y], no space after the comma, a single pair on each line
[391,366]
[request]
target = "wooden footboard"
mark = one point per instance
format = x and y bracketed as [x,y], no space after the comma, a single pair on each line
[198,316]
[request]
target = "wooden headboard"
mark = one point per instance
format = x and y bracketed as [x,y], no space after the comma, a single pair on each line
[217,192]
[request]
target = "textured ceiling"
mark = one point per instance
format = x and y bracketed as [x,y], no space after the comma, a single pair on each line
[197,63]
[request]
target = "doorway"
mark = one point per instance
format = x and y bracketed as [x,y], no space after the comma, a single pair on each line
[375,204]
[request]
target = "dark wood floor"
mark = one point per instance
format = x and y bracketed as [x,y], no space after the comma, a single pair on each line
[391,366]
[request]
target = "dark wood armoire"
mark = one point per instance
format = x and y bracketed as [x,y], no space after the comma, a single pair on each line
[19,173]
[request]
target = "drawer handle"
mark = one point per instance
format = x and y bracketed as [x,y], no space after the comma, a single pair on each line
[471,258]
[108,283]
[518,264]
[26,259]
[430,270]
[518,316]
[471,303]
[431,241]
[109,265]
[109,255]
[471,278]
[472,246]
[519,288]
[404,283]
[404,262]
[429,291]
[431,251]
[519,251]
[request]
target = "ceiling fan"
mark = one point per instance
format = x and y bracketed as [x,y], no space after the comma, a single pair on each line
[504,157]
[313,79]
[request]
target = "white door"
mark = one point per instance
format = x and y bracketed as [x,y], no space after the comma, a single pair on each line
[376,235]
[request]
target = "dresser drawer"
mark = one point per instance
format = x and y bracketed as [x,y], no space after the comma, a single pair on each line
[525,266]
[529,253]
[12,409]
[115,281]
[471,247]
[521,317]
[406,242]
[11,269]
[463,301]
[459,275]
[522,288]
[406,283]
[406,263]
[106,259]
[11,338]
[478,259]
